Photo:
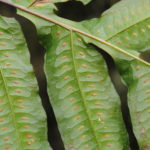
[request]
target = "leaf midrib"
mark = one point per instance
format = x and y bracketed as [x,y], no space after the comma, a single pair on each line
[127,28]
[76,30]
[82,94]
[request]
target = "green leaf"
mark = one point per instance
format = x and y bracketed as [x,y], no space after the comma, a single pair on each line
[22,118]
[137,77]
[122,31]
[125,25]
[129,30]
[105,31]
[85,102]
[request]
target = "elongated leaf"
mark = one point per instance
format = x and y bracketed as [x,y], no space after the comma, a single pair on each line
[130,29]
[137,77]
[22,118]
[84,100]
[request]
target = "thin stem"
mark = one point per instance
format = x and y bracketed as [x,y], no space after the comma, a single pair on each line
[75,30]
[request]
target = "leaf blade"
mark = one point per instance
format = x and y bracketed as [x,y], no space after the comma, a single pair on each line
[19,123]
[77,92]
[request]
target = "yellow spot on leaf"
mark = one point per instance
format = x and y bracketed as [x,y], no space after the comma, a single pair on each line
[65,67]
[20,101]
[142,30]
[24,118]
[64,44]
[110,145]
[146,80]
[77,118]
[81,127]
[98,103]
[18,91]
[84,66]
[86,146]
[69,88]
[1,100]
[135,34]
[22,106]
[81,53]
[98,31]
[6,55]
[6,147]
[80,40]
[64,57]
[127,38]
[148,101]
[75,107]
[93,94]
[66,77]
[14,72]
[3,43]
[83,136]
[7,64]
[29,143]
[89,76]
[106,136]
[137,67]
[26,126]
[148,26]
[91,86]
[29,136]
[109,27]
[4,129]
[119,42]
[6,139]
[147,91]
[1,120]
[1,110]
[132,13]
[117,22]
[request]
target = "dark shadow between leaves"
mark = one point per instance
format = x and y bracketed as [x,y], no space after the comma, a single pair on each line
[77,11]
[122,92]
[145,56]
[37,60]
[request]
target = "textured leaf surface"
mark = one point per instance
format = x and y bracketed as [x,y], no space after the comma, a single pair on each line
[126,25]
[84,100]
[123,31]
[22,118]
[130,29]
[137,77]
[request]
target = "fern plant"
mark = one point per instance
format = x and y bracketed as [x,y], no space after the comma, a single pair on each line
[85,102]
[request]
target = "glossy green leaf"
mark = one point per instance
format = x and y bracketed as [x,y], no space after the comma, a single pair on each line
[85,102]
[22,118]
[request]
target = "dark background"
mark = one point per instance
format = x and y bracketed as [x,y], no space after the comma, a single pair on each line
[74,11]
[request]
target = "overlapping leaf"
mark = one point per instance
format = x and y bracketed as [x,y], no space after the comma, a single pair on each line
[137,77]
[122,31]
[22,118]
[129,30]
[86,105]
